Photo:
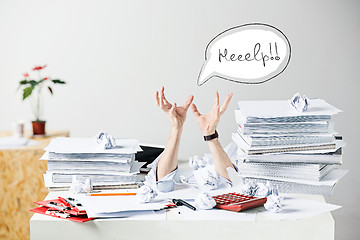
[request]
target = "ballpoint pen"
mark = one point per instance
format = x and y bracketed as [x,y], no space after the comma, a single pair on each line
[180,202]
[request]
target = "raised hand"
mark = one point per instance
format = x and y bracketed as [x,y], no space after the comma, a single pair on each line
[176,114]
[208,122]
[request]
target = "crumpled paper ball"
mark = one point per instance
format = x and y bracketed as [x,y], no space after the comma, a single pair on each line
[105,140]
[204,201]
[259,189]
[80,186]
[274,203]
[262,190]
[300,103]
[146,194]
[88,186]
[197,162]
[207,178]
[249,188]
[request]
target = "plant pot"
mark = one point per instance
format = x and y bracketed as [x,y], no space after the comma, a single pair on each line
[38,128]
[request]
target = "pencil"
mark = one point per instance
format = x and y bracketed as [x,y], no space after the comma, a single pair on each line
[112,194]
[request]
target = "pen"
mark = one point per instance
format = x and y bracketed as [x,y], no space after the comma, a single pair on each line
[180,202]
[112,194]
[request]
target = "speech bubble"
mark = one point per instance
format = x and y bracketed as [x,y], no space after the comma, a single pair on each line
[253,53]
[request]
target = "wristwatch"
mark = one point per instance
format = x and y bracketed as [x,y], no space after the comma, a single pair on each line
[211,137]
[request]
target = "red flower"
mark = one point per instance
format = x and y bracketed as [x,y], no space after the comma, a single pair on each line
[37,68]
[46,78]
[26,75]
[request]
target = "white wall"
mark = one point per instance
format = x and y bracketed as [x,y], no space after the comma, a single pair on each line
[115,54]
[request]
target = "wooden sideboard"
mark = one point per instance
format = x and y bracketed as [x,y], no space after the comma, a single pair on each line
[21,183]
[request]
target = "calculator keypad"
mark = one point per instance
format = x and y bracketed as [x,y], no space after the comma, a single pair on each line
[237,202]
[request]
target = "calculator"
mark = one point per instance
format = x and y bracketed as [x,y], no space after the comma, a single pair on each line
[237,202]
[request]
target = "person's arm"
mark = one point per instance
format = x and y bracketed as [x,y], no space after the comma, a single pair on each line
[168,160]
[177,117]
[208,123]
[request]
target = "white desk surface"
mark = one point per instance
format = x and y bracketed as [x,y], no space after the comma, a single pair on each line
[317,227]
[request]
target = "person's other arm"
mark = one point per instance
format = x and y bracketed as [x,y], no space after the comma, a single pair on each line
[208,123]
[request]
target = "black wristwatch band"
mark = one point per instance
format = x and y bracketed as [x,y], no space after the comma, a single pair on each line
[212,136]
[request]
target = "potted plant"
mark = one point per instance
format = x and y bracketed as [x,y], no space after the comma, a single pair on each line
[34,88]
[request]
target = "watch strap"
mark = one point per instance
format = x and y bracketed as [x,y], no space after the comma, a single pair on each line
[211,137]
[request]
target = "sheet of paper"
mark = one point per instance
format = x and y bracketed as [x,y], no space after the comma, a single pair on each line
[181,191]
[89,145]
[297,208]
[186,192]
[112,204]
[282,108]
[185,213]
[131,215]
[12,142]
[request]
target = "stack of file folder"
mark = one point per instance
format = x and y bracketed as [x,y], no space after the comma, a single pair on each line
[298,151]
[83,157]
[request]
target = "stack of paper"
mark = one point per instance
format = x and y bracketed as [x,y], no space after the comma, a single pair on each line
[276,142]
[84,158]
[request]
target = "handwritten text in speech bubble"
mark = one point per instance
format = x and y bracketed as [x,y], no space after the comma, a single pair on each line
[252,53]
